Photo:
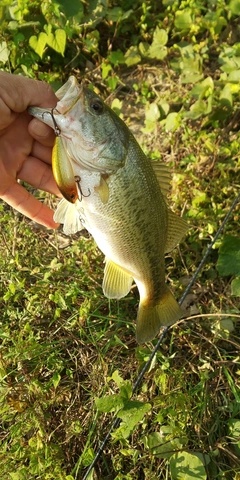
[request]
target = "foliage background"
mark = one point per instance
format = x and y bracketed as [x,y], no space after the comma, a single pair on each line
[171,69]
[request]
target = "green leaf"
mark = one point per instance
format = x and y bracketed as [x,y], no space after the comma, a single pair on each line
[114,14]
[187,466]
[158,49]
[57,41]
[183,19]
[132,56]
[203,89]
[106,69]
[152,115]
[162,444]
[4,52]
[116,57]
[172,122]
[116,105]
[144,48]
[112,82]
[235,287]
[56,379]
[124,385]
[229,256]
[226,97]
[160,36]
[234,433]
[234,7]
[38,44]
[131,414]
[112,403]
[199,108]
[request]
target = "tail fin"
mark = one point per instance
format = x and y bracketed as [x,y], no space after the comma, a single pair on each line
[152,317]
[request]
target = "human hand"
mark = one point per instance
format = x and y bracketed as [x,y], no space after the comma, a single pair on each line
[25,146]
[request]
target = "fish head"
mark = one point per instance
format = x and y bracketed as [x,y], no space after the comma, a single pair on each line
[93,136]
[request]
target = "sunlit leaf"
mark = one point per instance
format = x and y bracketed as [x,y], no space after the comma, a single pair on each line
[132,413]
[109,404]
[106,69]
[38,44]
[158,49]
[234,7]
[172,121]
[57,40]
[162,444]
[4,52]
[184,19]
[132,56]
[187,466]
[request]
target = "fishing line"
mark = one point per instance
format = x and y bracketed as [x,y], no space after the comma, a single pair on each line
[117,420]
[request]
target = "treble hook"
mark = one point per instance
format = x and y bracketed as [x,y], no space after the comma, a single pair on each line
[79,190]
[57,130]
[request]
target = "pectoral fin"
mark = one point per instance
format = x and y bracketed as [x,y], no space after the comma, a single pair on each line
[116,282]
[177,227]
[103,189]
[68,215]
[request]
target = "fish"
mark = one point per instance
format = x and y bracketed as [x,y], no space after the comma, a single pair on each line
[112,189]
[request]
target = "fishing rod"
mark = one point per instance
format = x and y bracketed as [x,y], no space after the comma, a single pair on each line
[116,422]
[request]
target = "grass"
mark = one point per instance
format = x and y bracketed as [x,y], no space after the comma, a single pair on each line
[69,356]
[62,343]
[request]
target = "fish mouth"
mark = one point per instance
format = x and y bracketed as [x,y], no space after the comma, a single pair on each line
[71,98]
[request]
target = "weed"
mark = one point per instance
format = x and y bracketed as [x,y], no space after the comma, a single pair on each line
[68,355]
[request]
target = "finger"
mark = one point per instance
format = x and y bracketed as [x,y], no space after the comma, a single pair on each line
[39,175]
[42,152]
[29,205]
[41,132]
[18,92]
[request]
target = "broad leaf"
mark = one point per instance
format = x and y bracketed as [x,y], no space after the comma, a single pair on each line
[234,7]
[229,256]
[57,40]
[132,56]
[183,20]
[131,414]
[187,466]
[110,404]
[235,287]
[38,44]
[158,49]
[4,52]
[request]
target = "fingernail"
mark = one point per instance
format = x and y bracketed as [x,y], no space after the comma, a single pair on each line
[39,128]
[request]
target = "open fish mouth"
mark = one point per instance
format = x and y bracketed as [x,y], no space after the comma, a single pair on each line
[71,99]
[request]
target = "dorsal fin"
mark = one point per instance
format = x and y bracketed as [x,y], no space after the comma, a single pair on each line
[163,176]
[177,227]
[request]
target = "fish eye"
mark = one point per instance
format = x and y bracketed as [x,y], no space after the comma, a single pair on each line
[97,106]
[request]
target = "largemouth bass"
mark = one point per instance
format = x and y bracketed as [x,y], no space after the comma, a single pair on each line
[114,191]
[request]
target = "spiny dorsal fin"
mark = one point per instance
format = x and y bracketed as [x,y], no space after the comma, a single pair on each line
[163,176]
[177,227]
